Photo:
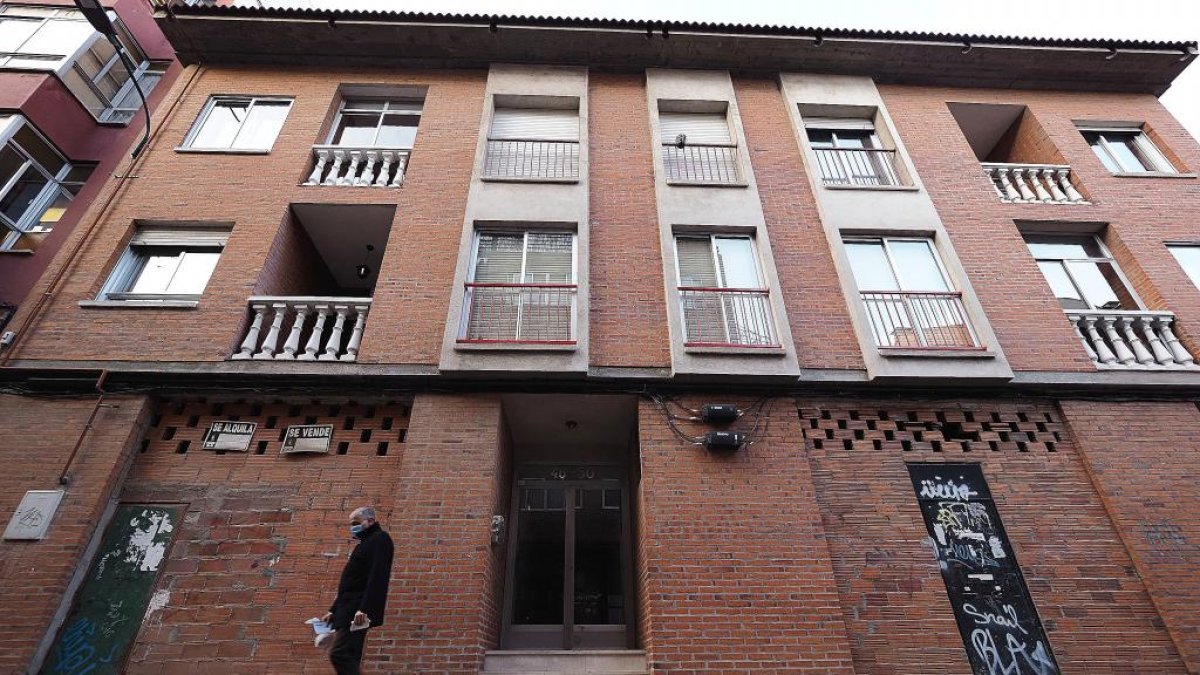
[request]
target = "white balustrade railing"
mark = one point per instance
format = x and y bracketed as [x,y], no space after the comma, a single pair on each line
[304,329]
[510,158]
[358,167]
[727,317]
[1046,183]
[701,163]
[1130,339]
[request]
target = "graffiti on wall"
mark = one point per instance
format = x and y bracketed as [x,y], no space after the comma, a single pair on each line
[999,624]
[116,593]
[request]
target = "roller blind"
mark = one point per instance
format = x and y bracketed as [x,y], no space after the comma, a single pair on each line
[835,123]
[696,266]
[535,124]
[698,127]
[191,236]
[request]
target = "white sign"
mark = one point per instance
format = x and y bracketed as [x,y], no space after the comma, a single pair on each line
[33,516]
[307,438]
[229,435]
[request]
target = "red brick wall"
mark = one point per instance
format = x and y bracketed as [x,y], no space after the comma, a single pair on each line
[294,266]
[1144,212]
[1026,142]
[734,570]
[1142,459]
[254,192]
[264,536]
[1097,614]
[39,436]
[628,321]
[816,306]
[446,570]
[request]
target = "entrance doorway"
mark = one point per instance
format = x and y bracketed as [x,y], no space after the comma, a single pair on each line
[569,559]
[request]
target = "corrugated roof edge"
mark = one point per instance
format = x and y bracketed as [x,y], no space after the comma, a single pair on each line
[673,26]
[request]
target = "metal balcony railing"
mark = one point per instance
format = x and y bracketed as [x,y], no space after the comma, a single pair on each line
[857,166]
[1130,339]
[919,320]
[519,313]
[1046,183]
[727,317]
[701,163]
[312,329]
[513,158]
[358,167]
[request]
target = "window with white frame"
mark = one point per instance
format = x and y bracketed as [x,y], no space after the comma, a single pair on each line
[61,40]
[103,84]
[723,297]
[40,38]
[36,184]
[1188,257]
[164,263]
[376,123]
[1081,272]
[850,152]
[533,143]
[522,288]
[238,123]
[1126,150]
[698,147]
[907,294]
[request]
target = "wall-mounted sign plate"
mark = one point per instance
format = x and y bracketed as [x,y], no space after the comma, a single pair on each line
[229,435]
[33,516]
[305,438]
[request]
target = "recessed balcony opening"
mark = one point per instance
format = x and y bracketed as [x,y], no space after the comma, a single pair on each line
[312,301]
[1017,155]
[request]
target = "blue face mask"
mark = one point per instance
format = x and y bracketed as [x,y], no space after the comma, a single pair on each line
[356,530]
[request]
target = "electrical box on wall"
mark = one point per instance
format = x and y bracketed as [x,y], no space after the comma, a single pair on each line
[724,441]
[719,413]
[33,515]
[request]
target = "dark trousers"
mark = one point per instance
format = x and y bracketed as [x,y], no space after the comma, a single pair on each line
[346,654]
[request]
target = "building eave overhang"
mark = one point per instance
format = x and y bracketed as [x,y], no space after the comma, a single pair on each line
[343,38]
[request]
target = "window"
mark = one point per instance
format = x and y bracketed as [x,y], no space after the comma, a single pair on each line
[1081,272]
[907,294]
[698,147]
[724,300]
[238,123]
[522,288]
[533,143]
[1127,151]
[1188,256]
[40,38]
[849,152]
[166,263]
[36,184]
[103,84]
[377,123]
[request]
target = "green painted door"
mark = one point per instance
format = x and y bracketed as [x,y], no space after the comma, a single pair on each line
[112,602]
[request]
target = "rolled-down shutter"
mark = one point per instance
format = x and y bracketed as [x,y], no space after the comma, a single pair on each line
[839,123]
[696,266]
[535,124]
[698,127]
[197,236]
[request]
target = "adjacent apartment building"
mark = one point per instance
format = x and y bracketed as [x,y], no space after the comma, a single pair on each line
[69,114]
[659,348]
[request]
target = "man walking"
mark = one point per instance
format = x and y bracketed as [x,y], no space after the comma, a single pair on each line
[362,591]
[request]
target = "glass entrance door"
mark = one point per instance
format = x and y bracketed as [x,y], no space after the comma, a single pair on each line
[569,582]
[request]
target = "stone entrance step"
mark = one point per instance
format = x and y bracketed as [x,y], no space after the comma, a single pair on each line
[566,662]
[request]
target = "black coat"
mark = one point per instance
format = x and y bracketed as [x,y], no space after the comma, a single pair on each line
[364,583]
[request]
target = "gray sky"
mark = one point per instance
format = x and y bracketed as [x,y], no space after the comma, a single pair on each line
[1143,20]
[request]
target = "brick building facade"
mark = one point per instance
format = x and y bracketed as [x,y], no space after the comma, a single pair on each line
[501,272]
